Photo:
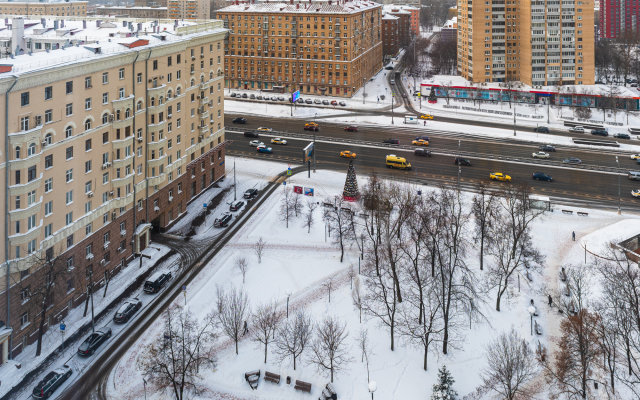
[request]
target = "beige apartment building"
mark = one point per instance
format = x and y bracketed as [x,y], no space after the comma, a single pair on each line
[132,12]
[33,8]
[327,48]
[542,42]
[188,9]
[102,143]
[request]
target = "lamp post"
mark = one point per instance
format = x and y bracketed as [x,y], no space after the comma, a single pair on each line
[288,295]
[459,167]
[235,197]
[364,90]
[514,119]
[314,144]
[531,310]
[618,164]
[372,388]
[145,388]
[392,96]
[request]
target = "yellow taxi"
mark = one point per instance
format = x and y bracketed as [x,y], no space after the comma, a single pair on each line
[426,116]
[635,193]
[420,142]
[264,129]
[278,141]
[635,156]
[347,154]
[311,126]
[499,176]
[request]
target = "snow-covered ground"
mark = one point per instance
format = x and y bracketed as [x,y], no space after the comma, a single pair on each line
[297,264]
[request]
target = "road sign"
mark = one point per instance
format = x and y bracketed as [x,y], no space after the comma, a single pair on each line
[295,95]
[289,171]
[284,183]
[307,152]
[204,205]
[62,327]
[184,288]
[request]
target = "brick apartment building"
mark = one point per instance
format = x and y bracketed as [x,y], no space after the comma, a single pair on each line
[327,47]
[46,7]
[188,9]
[405,31]
[390,35]
[618,16]
[132,12]
[100,151]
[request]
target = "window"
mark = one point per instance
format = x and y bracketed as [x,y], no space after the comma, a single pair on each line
[87,145]
[68,218]
[31,150]
[69,241]
[24,123]
[68,131]
[48,185]
[87,103]
[48,116]
[70,285]
[69,175]
[24,319]
[105,178]
[31,246]
[24,99]
[121,93]
[87,166]
[69,152]
[48,207]
[17,226]
[70,265]
[87,187]
[69,109]
[69,87]
[31,222]
[25,294]
[155,65]
[139,77]
[48,92]
[87,82]
[48,161]
[17,202]
[31,197]
[48,230]
[169,61]
[87,125]
[105,98]
[69,197]
[105,137]
[17,177]
[121,73]
[31,173]
[105,78]
[87,229]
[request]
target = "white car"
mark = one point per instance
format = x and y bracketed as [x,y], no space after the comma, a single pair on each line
[278,141]
[635,193]
[577,129]
[540,154]
[264,129]
[255,143]
[635,156]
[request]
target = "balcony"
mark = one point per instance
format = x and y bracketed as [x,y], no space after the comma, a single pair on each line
[26,162]
[159,90]
[20,239]
[122,104]
[23,213]
[24,137]
[23,189]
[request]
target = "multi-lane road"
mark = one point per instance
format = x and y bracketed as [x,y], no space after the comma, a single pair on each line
[594,181]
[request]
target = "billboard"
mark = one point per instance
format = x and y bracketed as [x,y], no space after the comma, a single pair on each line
[308,191]
[307,152]
[294,96]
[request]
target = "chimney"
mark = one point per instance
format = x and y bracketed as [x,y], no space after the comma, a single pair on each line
[62,24]
[17,35]
[98,23]
[56,23]
[43,21]
[84,24]
[139,26]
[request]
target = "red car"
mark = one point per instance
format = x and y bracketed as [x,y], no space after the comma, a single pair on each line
[351,128]
[334,103]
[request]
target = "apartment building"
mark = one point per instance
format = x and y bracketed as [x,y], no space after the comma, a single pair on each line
[327,48]
[188,9]
[133,12]
[390,35]
[150,3]
[618,16]
[103,142]
[44,7]
[405,32]
[542,42]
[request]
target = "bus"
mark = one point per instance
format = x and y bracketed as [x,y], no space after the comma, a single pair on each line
[393,161]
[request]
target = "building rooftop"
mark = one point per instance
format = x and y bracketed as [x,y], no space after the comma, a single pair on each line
[389,16]
[302,7]
[90,38]
[41,1]
[130,8]
[388,8]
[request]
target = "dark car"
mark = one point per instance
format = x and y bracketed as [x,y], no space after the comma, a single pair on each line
[422,152]
[622,136]
[239,120]
[300,100]
[547,147]
[156,282]
[251,134]
[223,221]
[391,141]
[91,343]
[252,96]
[244,95]
[232,95]
[599,132]
[126,310]
[250,194]
[342,103]
[51,382]
[422,138]
[541,176]
[462,161]
[388,68]
[325,102]
[259,97]
[308,101]
[572,160]
[351,128]
[541,129]
[236,206]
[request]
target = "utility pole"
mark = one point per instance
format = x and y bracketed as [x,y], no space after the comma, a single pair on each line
[514,119]
[314,145]
[93,327]
[364,90]
[392,107]
[235,197]
[618,164]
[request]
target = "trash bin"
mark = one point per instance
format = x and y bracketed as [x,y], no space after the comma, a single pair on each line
[288,380]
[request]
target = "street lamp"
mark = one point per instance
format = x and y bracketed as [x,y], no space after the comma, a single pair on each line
[145,388]
[288,295]
[392,96]
[531,310]
[372,388]
[459,167]
[618,164]
[514,119]
[314,144]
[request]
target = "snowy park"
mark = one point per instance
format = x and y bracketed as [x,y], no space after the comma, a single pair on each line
[375,296]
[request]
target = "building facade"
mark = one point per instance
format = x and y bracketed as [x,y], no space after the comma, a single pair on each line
[318,48]
[150,3]
[188,9]
[390,35]
[618,16]
[33,8]
[133,12]
[542,42]
[98,152]
[404,23]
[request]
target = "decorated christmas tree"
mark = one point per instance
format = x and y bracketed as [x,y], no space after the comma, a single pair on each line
[443,389]
[350,192]
[432,96]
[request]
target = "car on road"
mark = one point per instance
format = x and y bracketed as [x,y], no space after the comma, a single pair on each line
[236,206]
[635,193]
[391,141]
[426,116]
[547,147]
[274,98]
[420,142]
[422,137]
[351,128]
[250,194]
[93,341]
[264,129]
[52,381]
[325,102]
[342,103]
[239,120]
[278,141]
[126,310]
[635,156]
[540,154]
[389,68]
[156,282]
[577,129]
[251,134]
[572,160]
[280,98]
[600,132]
[317,101]
[308,101]
[541,176]
[222,221]
[499,176]
[334,103]
[462,161]
[541,129]
[264,149]
[311,126]
[256,143]
[422,152]
[621,135]
[347,154]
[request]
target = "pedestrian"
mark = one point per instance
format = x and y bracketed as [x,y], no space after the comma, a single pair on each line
[550,300]
[573,235]
[245,328]
[424,122]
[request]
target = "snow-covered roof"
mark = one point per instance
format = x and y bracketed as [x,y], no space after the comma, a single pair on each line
[42,1]
[389,16]
[129,8]
[401,9]
[304,8]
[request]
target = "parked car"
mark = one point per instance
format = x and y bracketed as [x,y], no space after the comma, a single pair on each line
[342,103]
[547,147]
[334,103]
[278,141]
[621,135]
[255,143]
[222,221]
[462,161]
[347,154]
[52,381]
[420,142]
[251,134]
[572,160]
[259,97]
[252,96]
[311,126]
[93,341]
[232,95]
[126,310]
[540,154]
[541,129]
[244,95]
[308,101]
[422,152]
[635,156]
[156,282]
[274,98]
[391,141]
[599,132]
[264,149]
[577,129]
[325,102]
[264,129]
[351,128]
[280,98]
[250,194]
[236,206]
[541,176]
[239,120]
[300,100]
[499,176]
[389,68]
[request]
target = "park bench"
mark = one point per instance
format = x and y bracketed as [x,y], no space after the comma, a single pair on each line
[271,377]
[304,386]
[252,378]
[329,393]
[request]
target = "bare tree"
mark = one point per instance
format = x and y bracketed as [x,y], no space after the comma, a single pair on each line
[242,265]
[293,337]
[381,300]
[296,204]
[356,295]
[511,365]
[329,352]
[265,321]
[363,345]
[308,216]
[338,220]
[286,205]
[484,210]
[328,284]
[175,361]
[259,248]
[233,311]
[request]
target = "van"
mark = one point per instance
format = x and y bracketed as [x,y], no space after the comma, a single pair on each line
[393,161]
[634,175]
[156,282]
